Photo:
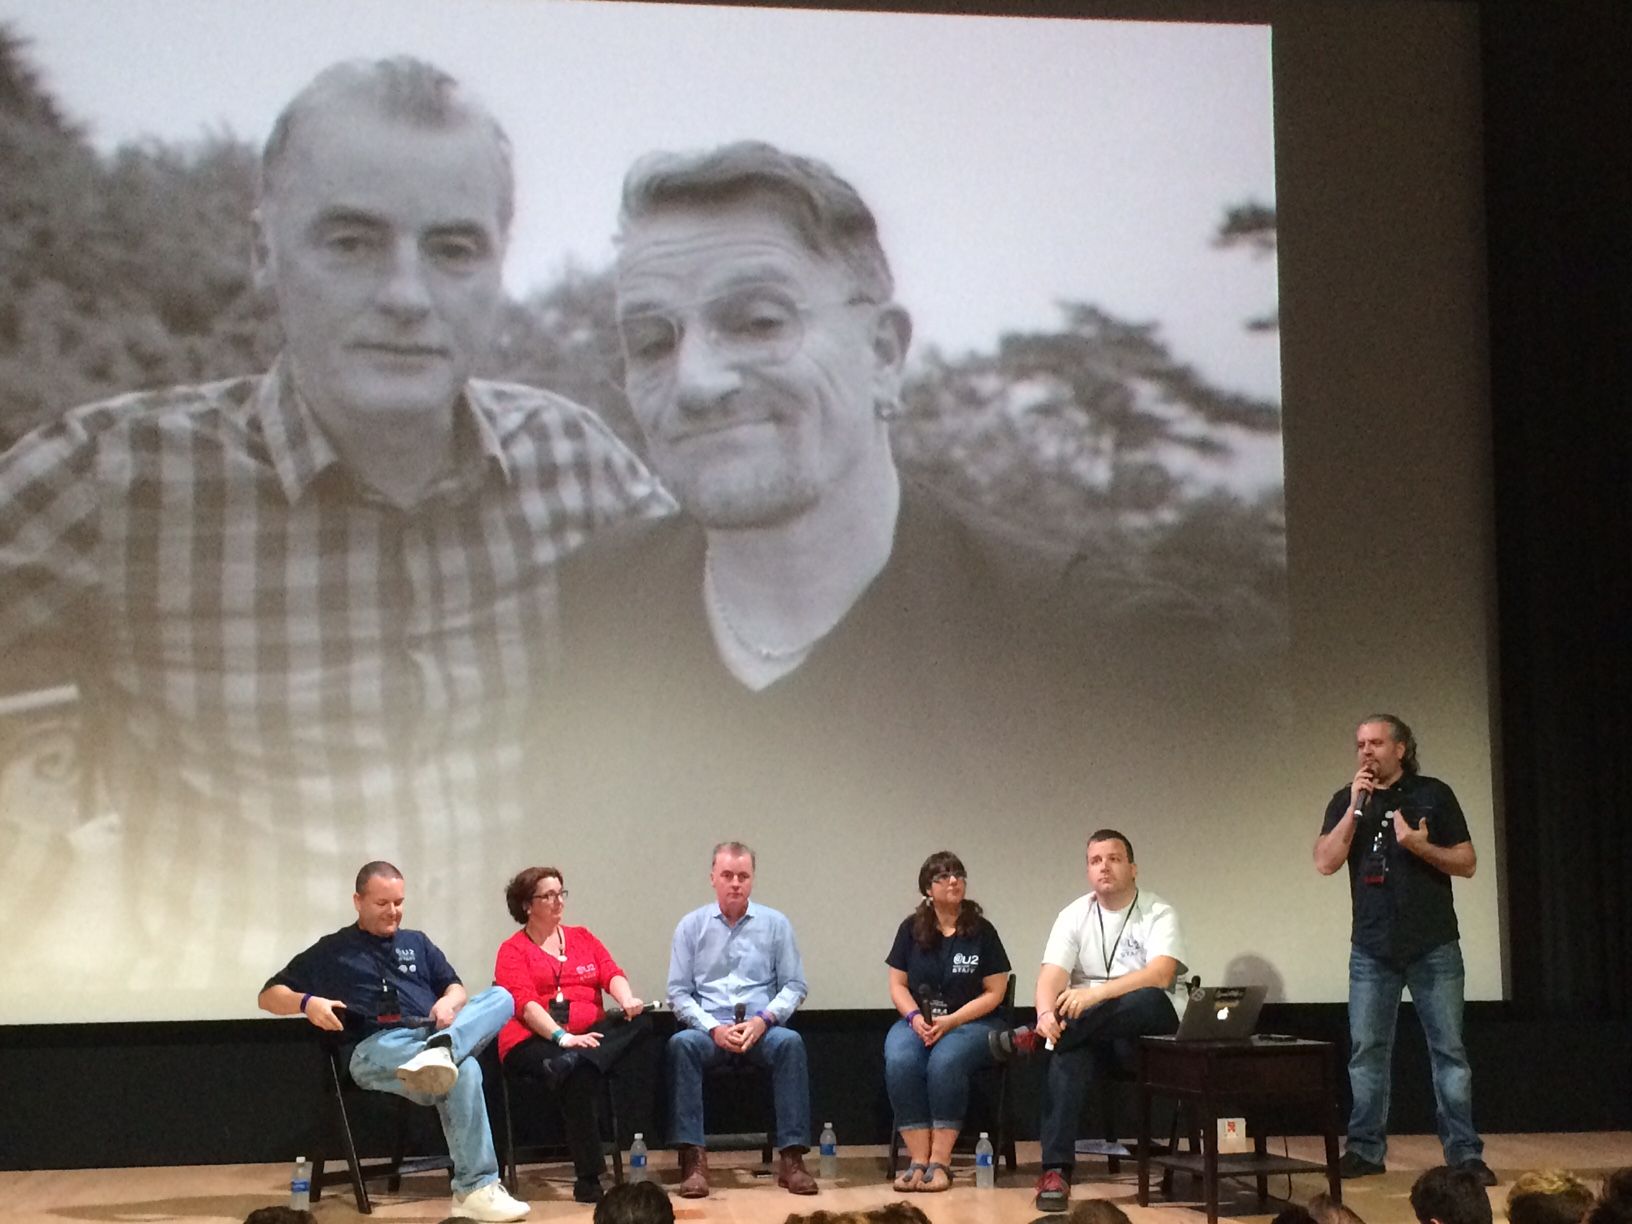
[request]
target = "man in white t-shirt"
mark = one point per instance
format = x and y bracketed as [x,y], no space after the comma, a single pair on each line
[1107,976]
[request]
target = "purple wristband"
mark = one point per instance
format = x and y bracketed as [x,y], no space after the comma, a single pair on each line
[912,1015]
[304,999]
[770,1020]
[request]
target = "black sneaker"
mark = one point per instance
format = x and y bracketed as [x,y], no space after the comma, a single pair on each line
[586,1190]
[1355,1165]
[1480,1170]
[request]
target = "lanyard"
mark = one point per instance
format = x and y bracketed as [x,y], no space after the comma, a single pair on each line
[557,963]
[1099,912]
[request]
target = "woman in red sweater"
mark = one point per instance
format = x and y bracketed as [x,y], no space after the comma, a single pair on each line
[560,1033]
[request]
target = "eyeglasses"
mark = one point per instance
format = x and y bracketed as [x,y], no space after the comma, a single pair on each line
[947,877]
[752,325]
[551,897]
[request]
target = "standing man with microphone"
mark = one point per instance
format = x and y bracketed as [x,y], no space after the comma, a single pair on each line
[1403,837]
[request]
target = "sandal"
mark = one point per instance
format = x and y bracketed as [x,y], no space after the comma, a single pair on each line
[937,1177]
[910,1179]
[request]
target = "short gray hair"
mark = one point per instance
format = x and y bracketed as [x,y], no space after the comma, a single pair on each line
[402,88]
[826,211]
[733,847]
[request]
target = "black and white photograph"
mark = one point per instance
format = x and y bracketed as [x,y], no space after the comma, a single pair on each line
[497,433]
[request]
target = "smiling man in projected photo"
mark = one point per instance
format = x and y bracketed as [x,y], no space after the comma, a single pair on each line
[314,607]
[818,626]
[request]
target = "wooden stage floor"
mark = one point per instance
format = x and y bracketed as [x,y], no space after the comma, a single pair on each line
[225,1194]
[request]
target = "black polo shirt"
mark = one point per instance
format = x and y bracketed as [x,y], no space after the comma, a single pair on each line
[1410,912]
[955,967]
[351,965]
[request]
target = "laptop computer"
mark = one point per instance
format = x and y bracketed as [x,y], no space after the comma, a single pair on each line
[1221,1013]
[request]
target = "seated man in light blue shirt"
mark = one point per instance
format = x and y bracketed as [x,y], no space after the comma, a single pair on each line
[734,980]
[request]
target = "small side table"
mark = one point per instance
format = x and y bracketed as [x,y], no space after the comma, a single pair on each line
[1225,1078]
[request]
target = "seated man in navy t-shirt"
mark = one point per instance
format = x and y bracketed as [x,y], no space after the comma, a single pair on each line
[420,1032]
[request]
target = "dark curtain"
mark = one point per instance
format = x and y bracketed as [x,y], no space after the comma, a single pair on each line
[1558,117]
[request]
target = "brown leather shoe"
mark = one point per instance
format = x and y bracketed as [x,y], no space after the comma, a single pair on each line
[693,1171]
[793,1176]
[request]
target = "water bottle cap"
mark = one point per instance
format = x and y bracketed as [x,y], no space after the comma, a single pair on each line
[828,1124]
[300,1160]
[984,1135]
[640,1134]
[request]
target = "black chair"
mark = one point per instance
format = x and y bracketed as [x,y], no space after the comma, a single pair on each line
[337,1086]
[512,1155]
[992,1083]
[745,1078]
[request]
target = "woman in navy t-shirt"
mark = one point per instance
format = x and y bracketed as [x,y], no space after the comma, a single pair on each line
[948,974]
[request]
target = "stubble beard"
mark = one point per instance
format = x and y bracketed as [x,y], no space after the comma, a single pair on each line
[769,492]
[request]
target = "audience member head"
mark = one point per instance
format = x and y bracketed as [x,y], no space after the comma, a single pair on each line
[1614,1205]
[1097,1211]
[889,1213]
[279,1215]
[1450,1196]
[635,1203]
[1294,1214]
[1548,1196]
[1326,1211]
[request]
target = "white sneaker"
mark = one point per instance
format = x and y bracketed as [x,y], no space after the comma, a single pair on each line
[431,1071]
[490,1202]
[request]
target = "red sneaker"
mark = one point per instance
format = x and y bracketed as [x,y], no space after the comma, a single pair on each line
[1053,1191]
[1005,1044]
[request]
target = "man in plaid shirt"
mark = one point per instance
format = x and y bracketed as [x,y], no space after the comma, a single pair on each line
[315,609]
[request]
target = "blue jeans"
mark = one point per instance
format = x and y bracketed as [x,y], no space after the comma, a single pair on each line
[1435,982]
[463,1110]
[930,1087]
[692,1053]
[1106,1031]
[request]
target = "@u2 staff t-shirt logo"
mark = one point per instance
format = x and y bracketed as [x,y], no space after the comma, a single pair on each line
[965,962]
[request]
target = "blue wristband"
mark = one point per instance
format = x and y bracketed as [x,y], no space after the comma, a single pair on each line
[559,1036]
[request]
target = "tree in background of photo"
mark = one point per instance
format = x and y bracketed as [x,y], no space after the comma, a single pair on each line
[131,270]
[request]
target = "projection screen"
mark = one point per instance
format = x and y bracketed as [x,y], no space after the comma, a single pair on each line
[1193,469]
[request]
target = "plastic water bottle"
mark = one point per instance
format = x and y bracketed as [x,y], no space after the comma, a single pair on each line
[829,1145]
[637,1159]
[985,1169]
[300,1185]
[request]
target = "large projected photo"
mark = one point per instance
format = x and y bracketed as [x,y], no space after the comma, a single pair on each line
[780,433]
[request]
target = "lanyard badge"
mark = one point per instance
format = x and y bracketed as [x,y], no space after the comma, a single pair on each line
[390,1008]
[1374,866]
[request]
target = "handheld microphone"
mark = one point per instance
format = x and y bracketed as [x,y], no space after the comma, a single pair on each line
[1364,801]
[614,1012]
